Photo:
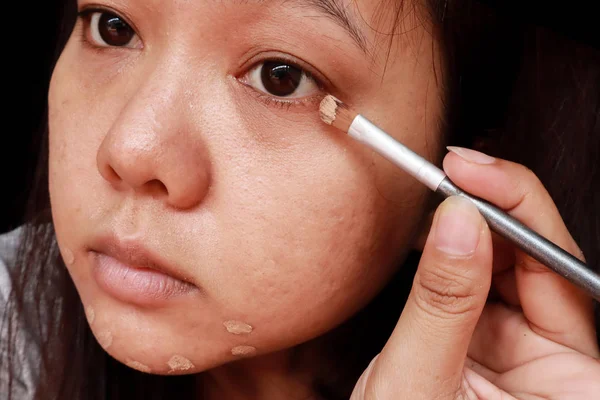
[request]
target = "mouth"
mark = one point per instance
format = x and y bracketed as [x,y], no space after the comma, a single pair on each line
[131,273]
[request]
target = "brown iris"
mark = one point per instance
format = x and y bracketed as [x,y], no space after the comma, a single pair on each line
[280,79]
[114,31]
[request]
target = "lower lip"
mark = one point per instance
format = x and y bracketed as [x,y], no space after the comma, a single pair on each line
[136,285]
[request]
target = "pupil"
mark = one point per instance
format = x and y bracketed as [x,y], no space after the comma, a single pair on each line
[114,31]
[280,79]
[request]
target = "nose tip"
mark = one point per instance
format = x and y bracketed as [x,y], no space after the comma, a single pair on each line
[179,174]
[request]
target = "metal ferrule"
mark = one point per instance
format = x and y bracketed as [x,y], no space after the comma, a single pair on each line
[368,133]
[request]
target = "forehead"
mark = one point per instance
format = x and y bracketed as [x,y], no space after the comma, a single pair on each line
[366,22]
[361,20]
[340,11]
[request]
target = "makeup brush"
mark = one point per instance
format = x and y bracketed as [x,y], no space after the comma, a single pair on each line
[339,115]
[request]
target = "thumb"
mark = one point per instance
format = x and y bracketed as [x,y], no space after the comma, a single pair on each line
[425,355]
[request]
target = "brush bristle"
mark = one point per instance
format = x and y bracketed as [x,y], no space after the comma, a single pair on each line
[334,112]
[328,109]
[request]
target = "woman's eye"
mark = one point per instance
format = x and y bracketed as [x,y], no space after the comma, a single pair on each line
[281,79]
[110,30]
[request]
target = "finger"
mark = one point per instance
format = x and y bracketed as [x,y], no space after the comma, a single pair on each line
[560,376]
[505,284]
[554,307]
[478,387]
[427,350]
[503,341]
[360,390]
[504,254]
[481,369]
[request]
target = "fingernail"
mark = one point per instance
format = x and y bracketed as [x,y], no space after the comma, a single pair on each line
[458,227]
[473,156]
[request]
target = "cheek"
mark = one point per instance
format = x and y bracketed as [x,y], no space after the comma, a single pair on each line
[63,154]
[75,132]
[308,236]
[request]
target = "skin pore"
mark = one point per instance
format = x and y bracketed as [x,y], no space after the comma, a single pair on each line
[282,227]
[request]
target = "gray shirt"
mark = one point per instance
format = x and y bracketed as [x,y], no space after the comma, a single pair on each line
[26,356]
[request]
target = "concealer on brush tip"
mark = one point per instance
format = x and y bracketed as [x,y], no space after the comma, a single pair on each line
[334,112]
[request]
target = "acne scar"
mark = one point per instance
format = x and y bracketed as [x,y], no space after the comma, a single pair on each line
[179,363]
[243,351]
[90,314]
[237,327]
[139,366]
[105,339]
[68,256]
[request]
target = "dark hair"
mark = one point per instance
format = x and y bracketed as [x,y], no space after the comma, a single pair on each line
[516,91]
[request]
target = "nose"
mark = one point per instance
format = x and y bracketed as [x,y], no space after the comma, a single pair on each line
[155,148]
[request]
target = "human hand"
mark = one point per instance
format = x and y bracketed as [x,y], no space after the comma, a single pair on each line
[535,341]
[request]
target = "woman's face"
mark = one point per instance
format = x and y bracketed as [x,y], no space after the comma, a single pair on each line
[203,210]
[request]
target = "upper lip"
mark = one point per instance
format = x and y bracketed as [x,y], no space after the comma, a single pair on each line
[134,254]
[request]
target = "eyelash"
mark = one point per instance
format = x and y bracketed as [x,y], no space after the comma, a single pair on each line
[269,100]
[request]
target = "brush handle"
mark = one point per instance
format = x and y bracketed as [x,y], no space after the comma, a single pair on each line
[530,242]
[499,221]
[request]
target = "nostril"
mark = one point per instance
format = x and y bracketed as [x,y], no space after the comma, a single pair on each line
[109,174]
[112,174]
[156,187]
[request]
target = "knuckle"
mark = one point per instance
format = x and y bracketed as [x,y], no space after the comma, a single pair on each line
[526,174]
[529,181]
[528,263]
[526,186]
[463,394]
[445,293]
[378,388]
[453,391]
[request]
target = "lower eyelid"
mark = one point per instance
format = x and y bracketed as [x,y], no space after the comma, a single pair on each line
[281,103]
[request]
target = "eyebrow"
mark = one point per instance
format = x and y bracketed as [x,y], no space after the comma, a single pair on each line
[338,12]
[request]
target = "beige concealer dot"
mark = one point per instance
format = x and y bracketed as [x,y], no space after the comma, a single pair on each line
[105,339]
[90,314]
[139,366]
[328,107]
[237,327]
[243,351]
[68,256]
[179,363]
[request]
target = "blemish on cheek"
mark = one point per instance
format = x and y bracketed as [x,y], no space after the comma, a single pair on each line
[243,351]
[90,314]
[139,366]
[68,256]
[237,327]
[179,363]
[105,339]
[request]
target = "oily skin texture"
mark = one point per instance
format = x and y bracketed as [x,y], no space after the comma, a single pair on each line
[252,202]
